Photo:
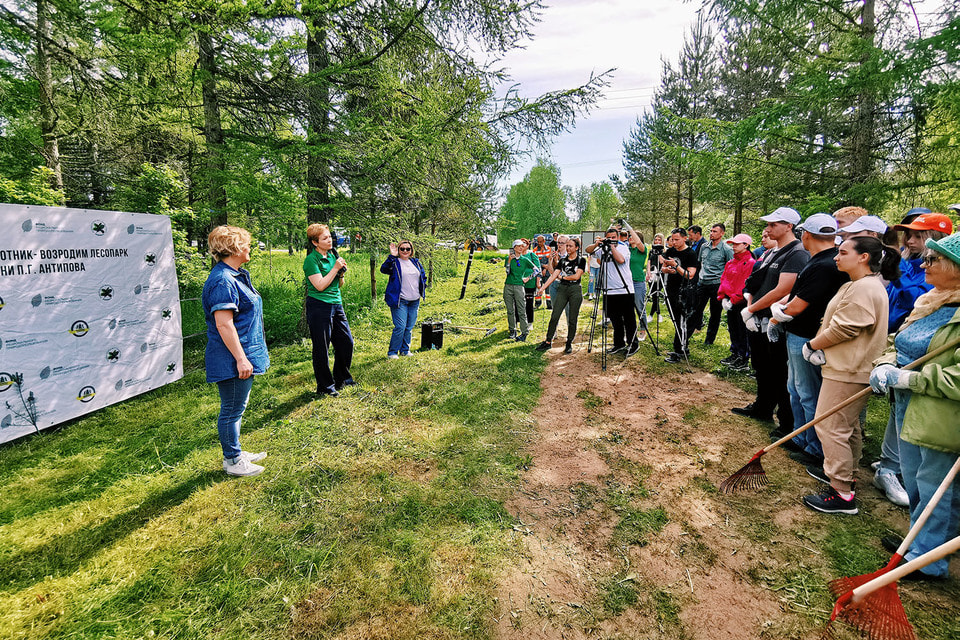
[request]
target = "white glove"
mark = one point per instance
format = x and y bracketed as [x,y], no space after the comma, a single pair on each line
[749,320]
[899,378]
[775,331]
[726,304]
[817,358]
[777,309]
[878,378]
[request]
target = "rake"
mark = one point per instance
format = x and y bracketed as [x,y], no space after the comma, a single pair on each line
[752,475]
[881,615]
[487,331]
[874,608]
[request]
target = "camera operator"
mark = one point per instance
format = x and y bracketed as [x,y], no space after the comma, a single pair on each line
[679,262]
[654,287]
[617,287]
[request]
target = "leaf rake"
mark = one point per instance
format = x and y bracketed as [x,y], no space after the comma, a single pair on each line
[752,475]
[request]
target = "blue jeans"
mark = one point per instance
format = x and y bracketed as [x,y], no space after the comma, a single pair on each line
[890,447]
[923,471]
[404,317]
[803,383]
[234,393]
[328,326]
[591,286]
[640,301]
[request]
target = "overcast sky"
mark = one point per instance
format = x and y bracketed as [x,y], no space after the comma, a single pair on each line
[577,37]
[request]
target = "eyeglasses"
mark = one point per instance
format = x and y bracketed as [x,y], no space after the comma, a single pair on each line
[406,248]
[928,261]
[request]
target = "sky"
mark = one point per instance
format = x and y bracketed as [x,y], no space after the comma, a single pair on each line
[577,37]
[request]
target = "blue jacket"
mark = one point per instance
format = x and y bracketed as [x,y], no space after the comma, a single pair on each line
[903,292]
[391,266]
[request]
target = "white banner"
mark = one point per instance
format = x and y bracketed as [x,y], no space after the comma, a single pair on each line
[89,312]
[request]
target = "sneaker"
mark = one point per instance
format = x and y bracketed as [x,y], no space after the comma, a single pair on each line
[613,350]
[805,458]
[241,467]
[749,412]
[641,335]
[633,349]
[729,360]
[649,319]
[673,358]
[816,472]
[887,481]
[253,457]
[521,338]
[543,346]
[568,348]
[393,356]
[829,501]
[875,465]
[329,394]
[549,306]
[891,542]
[741,363]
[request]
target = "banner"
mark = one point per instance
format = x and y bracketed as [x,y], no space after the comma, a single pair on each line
[89,312]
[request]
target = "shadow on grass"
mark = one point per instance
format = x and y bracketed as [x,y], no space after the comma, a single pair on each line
[64,554]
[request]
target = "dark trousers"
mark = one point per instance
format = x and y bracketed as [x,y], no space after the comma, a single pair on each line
[739,343]
[328,325]
[707,293]
[528,298]
[681,322]
[569,297]
[620,310]
[770,363]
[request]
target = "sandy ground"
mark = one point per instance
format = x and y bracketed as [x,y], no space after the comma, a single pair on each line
[662,442]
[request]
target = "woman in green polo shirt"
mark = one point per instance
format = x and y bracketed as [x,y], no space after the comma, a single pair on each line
[522,267]
[325,317]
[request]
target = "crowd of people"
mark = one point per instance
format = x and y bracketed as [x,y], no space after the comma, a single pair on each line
[821,310]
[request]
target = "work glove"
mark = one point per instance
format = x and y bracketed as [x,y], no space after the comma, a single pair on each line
[878,378]
[726,304]
[775,331]
[777,309]
[815,357]
[749,320]
[899,378]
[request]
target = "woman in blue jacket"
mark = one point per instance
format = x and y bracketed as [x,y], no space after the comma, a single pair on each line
[406,287]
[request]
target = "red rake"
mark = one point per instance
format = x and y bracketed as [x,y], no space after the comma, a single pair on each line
[752,475]
[874,608]
[882,615]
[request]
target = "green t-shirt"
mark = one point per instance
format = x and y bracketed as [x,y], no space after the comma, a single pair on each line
[638,263]
[315,263]
[523,267]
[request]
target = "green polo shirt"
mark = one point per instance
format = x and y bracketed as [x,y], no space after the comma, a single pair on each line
[638,263]
[522,267]
[315,263]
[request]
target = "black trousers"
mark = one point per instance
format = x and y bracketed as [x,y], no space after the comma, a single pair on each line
[620,310]
[528,298]
[680,316]
[769,360]
[707,294]
[328,325]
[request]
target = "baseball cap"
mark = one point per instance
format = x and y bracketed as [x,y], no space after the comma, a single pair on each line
[741,238]
[929,222]
[866,223]
[949,246]
[822,224]
[517,243]
[783,214]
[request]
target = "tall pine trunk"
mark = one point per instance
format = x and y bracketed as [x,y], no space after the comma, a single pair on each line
[48,116]
[318,114]
[212,127]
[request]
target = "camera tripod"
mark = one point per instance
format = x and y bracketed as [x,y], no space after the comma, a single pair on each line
[677,316]
[606,257]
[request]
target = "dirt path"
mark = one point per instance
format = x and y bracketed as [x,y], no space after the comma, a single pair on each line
[622,532]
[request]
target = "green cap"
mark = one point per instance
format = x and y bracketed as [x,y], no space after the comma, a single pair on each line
[949,246]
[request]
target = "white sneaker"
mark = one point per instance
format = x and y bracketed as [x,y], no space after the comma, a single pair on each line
[649,319]
[253,457]
[393,356]
[888,482]
[242,467]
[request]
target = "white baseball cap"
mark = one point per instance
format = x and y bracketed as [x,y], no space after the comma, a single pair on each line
[822,224]
[866,223]
[783,214]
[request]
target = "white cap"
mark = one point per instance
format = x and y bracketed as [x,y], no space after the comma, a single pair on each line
[783,214]
[866,223]
[822,224]
[517,243]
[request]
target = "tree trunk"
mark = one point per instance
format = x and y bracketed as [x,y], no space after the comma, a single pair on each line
[863,140]
[212,127]
[676,210]
[48,116]
[318,114]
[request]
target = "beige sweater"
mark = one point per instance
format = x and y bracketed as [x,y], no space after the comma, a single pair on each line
[856,323]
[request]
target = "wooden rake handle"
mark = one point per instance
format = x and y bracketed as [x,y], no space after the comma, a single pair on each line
[945,549]
[860,395]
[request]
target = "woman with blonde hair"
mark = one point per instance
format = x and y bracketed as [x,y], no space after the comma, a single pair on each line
[326,319]
[236,347]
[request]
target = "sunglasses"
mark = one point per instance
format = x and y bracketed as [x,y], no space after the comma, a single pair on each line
[406,248]
[928,261]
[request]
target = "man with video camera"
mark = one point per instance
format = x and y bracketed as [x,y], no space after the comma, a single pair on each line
[679,263]
[616,286]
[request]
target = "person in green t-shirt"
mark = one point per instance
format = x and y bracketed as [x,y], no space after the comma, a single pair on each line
[638,271]
[522,267]
[326,319]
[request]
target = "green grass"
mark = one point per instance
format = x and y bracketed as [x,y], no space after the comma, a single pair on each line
[386,502]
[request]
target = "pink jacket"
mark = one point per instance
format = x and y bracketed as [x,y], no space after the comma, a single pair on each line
[735,274]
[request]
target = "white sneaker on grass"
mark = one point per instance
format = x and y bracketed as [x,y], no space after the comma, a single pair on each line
[241,467]
[253,457]
[887,481]
[393,356]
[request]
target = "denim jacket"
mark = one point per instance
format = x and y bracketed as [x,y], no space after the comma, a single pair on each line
[227,288]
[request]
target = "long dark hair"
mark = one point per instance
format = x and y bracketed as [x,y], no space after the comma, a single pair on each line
[883,259]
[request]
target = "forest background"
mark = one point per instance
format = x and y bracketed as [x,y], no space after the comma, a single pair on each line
[390,116]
